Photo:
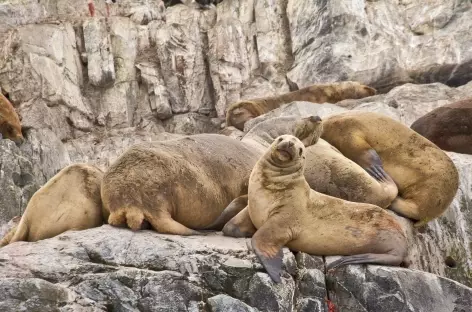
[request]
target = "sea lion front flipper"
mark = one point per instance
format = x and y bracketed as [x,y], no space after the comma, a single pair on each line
[235,207]
[267,243]
[240,225]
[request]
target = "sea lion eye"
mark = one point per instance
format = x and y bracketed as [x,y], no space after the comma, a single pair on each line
[300,151]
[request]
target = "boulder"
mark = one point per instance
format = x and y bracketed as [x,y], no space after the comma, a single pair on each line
[380,43]
[108,268]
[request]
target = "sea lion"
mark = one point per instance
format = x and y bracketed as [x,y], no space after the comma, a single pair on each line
[240,112]
[178,186]
[286,212]
[182,186]
[448,126]
[68,201]
[10,126]
[327,171]
[307,129]
[426,177]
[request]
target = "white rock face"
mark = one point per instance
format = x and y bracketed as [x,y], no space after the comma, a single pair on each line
[381,43]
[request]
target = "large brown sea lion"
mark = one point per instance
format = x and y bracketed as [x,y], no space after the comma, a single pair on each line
[286,212]
[10,126]
[68,201]
[238,113]
[426,177]
[180,186]
[448,126]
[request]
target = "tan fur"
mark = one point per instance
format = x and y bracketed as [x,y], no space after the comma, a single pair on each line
[286,212]
[182,185]
[331,173]
[10,126]
[426,177]
[448,126]
[68,201]
[327,170]
[179,185]
[238,113]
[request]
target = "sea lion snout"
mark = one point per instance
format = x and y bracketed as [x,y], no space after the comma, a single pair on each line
[287,148]
[314,119]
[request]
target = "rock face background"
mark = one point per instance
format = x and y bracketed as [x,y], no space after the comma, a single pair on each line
[88,88]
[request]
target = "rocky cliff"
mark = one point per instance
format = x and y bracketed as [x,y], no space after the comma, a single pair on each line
[88,88]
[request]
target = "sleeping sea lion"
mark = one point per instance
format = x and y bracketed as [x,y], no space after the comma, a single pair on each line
[426,177]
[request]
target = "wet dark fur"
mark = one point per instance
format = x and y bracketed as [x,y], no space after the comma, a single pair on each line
[448,126]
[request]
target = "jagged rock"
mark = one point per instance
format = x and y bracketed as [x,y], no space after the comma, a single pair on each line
[119,269]
[97,44]
[180,48]
[224,303]
[191,123]
[376,288]
[157,91]
[380,43]
[17,181]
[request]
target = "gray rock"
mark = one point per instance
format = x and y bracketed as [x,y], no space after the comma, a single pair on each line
[224,303]
[190,123]
[17,181]
[97,42]
[376,288]
[404,43]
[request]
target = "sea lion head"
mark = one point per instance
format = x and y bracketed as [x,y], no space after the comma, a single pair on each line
[308,130]
[286,150]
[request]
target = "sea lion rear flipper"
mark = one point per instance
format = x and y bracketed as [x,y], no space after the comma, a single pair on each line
[240,225]
[164,224]
[386,259]
[235,207]
[267,243]
[406,209]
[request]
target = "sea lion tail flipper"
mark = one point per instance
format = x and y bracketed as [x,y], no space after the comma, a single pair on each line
[267,243]
[230,211]
[368,258]
[7,238]
[240,226]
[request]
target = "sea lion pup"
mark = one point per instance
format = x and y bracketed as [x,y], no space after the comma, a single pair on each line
[307,129]
[240,112]
[10,126]
[286,212]
[426,177]
[327,171]
[68,201]
[448,126]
